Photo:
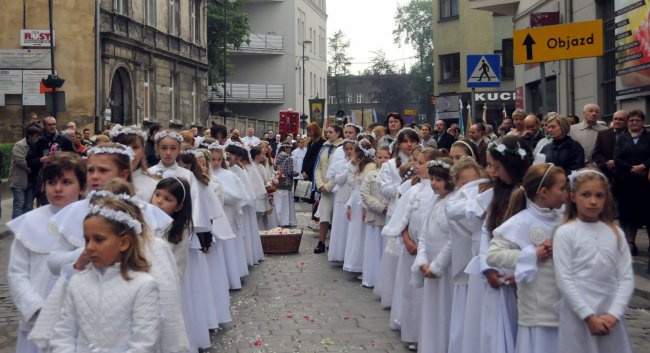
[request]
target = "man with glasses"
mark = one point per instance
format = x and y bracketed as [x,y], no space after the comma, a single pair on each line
[606,140]
[48,145]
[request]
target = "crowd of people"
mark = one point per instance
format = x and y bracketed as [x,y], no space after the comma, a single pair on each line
[485,243]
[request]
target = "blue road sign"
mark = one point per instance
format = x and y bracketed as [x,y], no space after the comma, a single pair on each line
[484,70]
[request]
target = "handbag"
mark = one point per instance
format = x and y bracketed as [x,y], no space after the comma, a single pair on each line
[303,189]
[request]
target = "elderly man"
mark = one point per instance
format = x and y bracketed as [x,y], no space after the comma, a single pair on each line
[603,155]
[50,143]
[477,135]
[250,139]
[21,179]
[518,116]
[532,132]
[586,131]
[71,126]
[443,139]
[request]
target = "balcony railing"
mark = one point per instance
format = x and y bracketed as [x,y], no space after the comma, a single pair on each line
[260,42]
[247,92]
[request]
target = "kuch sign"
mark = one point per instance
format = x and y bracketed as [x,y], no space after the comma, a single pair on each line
[35,38]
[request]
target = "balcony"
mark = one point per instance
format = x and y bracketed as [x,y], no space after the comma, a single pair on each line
[502,7]
[247,93]
[260,43]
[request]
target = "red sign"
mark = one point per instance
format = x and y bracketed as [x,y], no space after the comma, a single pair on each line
[519,100]
[35,37]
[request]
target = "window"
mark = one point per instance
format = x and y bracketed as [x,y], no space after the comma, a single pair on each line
[448,9]
[359,98]
[332,99]
[311,84]
[450,67]
[147,95]
[194,105]
[150,12]
[348,98]
[174,17]
[121,6]
[172,97]
[507,63]
[195,19]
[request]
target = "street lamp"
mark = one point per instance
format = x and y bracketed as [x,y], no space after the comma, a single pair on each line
[225,53]
[428,103]
[304,42]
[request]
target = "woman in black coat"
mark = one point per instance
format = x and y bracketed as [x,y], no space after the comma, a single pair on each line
[631,163]
[563,151]
[316,141]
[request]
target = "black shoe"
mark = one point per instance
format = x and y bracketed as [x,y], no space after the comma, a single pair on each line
[320,248]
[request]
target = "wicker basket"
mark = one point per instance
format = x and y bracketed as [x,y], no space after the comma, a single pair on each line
[281,243]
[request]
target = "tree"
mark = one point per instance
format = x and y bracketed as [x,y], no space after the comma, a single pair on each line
[237,25]
[380,65]
[414,26]
[339,59]
[383,77]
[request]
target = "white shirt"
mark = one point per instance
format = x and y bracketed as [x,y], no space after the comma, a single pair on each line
[251,141]
[298,155]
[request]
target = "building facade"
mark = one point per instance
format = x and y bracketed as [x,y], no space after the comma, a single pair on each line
[269,69]
[460,30]
[147,63]
[616,80]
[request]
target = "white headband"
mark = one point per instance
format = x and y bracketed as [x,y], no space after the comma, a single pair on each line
[539,187]
[110,195]
[127,151]
[118,130]
[370,152]
[173,134]
[577,173]
[439,164]
[197,154]
[117,216]
[467,145]
[216,146]
[182,186]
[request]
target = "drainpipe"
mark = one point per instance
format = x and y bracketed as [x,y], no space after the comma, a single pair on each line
[568,5]
[98,100]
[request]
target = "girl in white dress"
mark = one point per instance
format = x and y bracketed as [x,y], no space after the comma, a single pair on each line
[593,269]
[524,244]
[375,208]
[235,196]
[113,305]
[143,183]
[466,174]
[236,154]
[108,167]
[361,164]
[340,173]
[508,159]
[210,243]
[433,262]
[64,180]
[264,168]
[389,180]
[412,209]
[283,200]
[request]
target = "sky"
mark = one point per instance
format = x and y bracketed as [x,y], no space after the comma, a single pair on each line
[368,25]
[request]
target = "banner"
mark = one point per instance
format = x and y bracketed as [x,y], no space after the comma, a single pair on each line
[632,61]
[317,111]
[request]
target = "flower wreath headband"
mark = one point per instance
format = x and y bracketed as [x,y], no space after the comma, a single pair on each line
[117,216]
[439,164]
[498,147]
[348,141]
[357,127]
[369,152]
[172,134]
[105,194]
[216,146]
[197,154]
[122,130]
[576,173]
[127,151]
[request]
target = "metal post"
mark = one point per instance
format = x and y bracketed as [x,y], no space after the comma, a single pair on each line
[472,102]
[225,53]
[303,77]
[542,74]
[50,9]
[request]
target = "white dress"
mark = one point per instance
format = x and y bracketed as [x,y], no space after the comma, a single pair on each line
[234,198]
[261,204]
[593,269]
[269,219]
[354,246]
[28,276]
[434,248]
[373,247]
[102,312]
[389,181]
[406,308]
[143,185]
[340,173]
[249,228]
[514,247]
[461,245]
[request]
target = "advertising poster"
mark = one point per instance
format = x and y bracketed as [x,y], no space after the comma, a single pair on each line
[632,48]
[317,110]
[11,82]
[32,85]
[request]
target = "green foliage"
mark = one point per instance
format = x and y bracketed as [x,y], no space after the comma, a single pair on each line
[5,150]
[340,62]
[414,27]
[237,24]
[383,76]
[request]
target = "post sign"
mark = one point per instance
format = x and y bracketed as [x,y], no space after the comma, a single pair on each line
[35,38]
[559,42]
[483,70]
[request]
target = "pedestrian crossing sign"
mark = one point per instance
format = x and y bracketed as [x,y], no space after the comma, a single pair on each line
[484,70]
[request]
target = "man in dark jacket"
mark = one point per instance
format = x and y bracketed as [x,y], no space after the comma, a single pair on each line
[603,155]
[48,145]
[150,145]
[532,132]
[443,139]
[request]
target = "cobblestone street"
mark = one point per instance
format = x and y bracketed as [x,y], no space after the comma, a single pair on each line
[302,303]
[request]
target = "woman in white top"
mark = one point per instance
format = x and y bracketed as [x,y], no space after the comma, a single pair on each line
[143,183]
[593,269]
[340,173]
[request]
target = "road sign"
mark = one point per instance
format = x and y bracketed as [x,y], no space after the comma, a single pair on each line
[483,70]
[559,42]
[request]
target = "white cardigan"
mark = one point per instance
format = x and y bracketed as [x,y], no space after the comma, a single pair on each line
[103,312]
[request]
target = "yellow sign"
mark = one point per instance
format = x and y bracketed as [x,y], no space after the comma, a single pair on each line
[559,42]
[410,112]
